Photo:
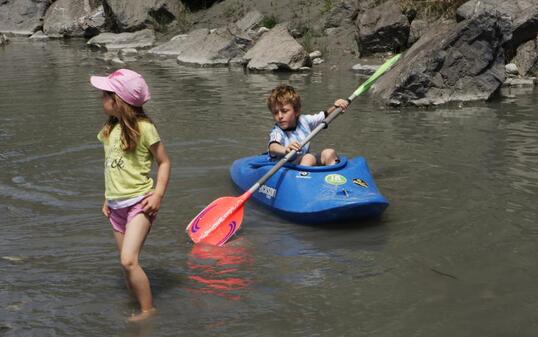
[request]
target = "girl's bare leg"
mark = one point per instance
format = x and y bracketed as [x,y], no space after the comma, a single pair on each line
[133,240]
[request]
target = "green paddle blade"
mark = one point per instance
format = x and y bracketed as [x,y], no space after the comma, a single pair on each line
[380,71]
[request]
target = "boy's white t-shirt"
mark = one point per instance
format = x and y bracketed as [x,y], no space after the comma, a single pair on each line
[305,125]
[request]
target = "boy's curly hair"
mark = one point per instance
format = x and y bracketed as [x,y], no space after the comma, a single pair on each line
[282,95]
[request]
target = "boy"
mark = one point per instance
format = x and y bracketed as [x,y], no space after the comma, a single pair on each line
[291,127]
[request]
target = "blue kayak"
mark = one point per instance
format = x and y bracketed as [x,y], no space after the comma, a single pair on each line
[305,194]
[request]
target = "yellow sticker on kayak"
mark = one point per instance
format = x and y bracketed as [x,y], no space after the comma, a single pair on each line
[335,179]
[360,182]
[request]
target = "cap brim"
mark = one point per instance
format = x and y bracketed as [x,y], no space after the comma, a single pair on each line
[101,83]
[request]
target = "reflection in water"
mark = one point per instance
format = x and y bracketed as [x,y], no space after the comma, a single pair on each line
[217,270]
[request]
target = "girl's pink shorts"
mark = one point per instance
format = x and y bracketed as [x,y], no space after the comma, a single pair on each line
[120,217]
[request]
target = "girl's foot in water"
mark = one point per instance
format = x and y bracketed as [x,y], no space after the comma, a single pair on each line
[145,314]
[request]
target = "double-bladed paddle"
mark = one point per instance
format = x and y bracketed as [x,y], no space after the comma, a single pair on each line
[219,221]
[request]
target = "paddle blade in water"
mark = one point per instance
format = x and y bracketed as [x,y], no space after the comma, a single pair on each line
[218,222]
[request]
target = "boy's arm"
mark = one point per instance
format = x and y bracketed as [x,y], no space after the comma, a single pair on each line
[277,150]
[339,103]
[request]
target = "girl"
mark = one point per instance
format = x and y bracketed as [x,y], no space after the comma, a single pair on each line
[131,142]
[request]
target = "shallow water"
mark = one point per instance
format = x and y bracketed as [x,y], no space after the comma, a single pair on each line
[453,255]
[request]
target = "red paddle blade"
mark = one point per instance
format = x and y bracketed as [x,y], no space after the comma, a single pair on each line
[218,222]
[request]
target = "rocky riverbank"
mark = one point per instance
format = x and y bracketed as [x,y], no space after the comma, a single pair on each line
[466,51]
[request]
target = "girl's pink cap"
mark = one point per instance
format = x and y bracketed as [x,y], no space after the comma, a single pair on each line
[127,84]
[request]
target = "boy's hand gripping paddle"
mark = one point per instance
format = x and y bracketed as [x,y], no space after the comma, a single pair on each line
[219,221]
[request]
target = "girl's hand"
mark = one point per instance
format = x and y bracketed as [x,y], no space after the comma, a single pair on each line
[293,146]
[341,103]
[106,209]
[151,204]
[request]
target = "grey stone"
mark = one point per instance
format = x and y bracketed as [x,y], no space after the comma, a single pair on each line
[315,54]
[523,13]
[22,17]
[110,41]
[383,29]
[133,15]
[344,12]
[289,55]
[417,29]
[526,58]
[364,69]
[520,82]
[95,23]
[342,45]
[3,40]
[203,48]
[454,62]
[39,36]
[250,20]
[511,69]
[66,17]
[317,61]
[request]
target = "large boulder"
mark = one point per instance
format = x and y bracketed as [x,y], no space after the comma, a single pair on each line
[277,50]
[111,41]
[453,62]
[133,15]
[204,47]
[342,46]
[22,17]
[250,20]
[418,28]
[343,13]
[526,58]
[383,28]
[69,18]
[524,15]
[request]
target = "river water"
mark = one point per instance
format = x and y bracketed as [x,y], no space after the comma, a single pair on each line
[453,255]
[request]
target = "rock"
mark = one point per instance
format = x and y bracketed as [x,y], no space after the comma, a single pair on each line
[524,15]
[133,15]
[454,62]
[262,30]
[317,61]
[66,17]
[344,12]
[526,58]
[383,29]
[417,29]
[289,55]
[3,40]
[342,45]
[511,69]
[117,61]
[39,36]
[315,54]
[364,69]
[22,17]
[128,52]
[95,23]
[249,21]
[519,82]
[203,48]
[110,41]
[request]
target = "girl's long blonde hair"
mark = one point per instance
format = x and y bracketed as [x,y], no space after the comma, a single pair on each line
[128,119]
